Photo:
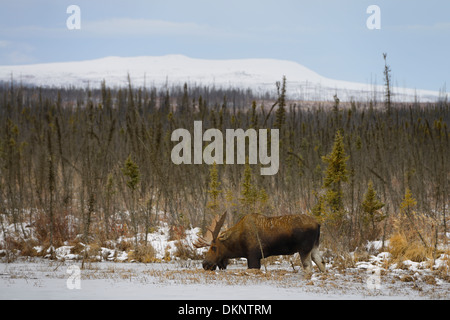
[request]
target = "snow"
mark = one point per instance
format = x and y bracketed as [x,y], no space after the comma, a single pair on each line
[45,279]
[64,253]
[376,245]
[260,75]
[442,261]
[376,278]
[159,240]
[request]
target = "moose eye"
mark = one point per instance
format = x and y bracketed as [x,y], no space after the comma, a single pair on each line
[213,249]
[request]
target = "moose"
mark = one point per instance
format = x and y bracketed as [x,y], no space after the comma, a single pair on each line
[256,236]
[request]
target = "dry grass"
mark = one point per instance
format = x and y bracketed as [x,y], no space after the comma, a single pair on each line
[185,252]
[402,249]
[229,277]
[145,254]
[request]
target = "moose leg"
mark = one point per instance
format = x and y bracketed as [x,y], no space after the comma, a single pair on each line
[254,261]
[317,258]
[306,261]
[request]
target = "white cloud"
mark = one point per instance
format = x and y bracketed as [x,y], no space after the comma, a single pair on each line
[4,44]
[12,52]
[145,27]
[119,27]
[19,57]
[31,31]
[436,27]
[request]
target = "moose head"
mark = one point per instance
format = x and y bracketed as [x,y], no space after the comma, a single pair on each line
[215,257]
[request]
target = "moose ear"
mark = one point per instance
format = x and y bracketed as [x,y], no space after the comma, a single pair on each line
[224,235]
[219,225]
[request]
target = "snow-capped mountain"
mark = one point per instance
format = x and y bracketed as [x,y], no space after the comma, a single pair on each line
[260,75]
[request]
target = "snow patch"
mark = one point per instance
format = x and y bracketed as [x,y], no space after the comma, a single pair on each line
[259,75]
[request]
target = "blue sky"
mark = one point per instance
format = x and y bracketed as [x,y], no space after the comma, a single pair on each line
[327,36]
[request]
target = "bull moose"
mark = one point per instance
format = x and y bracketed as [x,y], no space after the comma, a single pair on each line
[256,236]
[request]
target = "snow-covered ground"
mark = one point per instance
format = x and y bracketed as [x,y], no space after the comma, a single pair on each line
[260,75]
[113,276]
[45,279]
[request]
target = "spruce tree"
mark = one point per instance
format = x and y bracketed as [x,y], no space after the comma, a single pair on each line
[280,114]
[254,116]
[371,206]
[407,209]
[214,190]
[387,83]
[249,192]
[131,171]
[319,210]
[253,199]
[184,108]
[335,175]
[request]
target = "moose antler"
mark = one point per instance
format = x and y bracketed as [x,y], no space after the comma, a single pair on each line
[212,232]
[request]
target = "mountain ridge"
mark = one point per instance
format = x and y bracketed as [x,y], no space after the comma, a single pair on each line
[259,75]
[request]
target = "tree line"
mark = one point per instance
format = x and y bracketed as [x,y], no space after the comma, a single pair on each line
[95,164]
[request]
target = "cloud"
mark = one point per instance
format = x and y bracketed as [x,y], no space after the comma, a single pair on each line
[18,57]
[436,27]
[12,52]
[120,27]
[146,27]
[4,44]
[31,31]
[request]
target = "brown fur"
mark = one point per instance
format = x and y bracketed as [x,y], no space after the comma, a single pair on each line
[256,236]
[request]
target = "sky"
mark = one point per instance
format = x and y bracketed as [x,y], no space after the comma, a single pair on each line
[328,36]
